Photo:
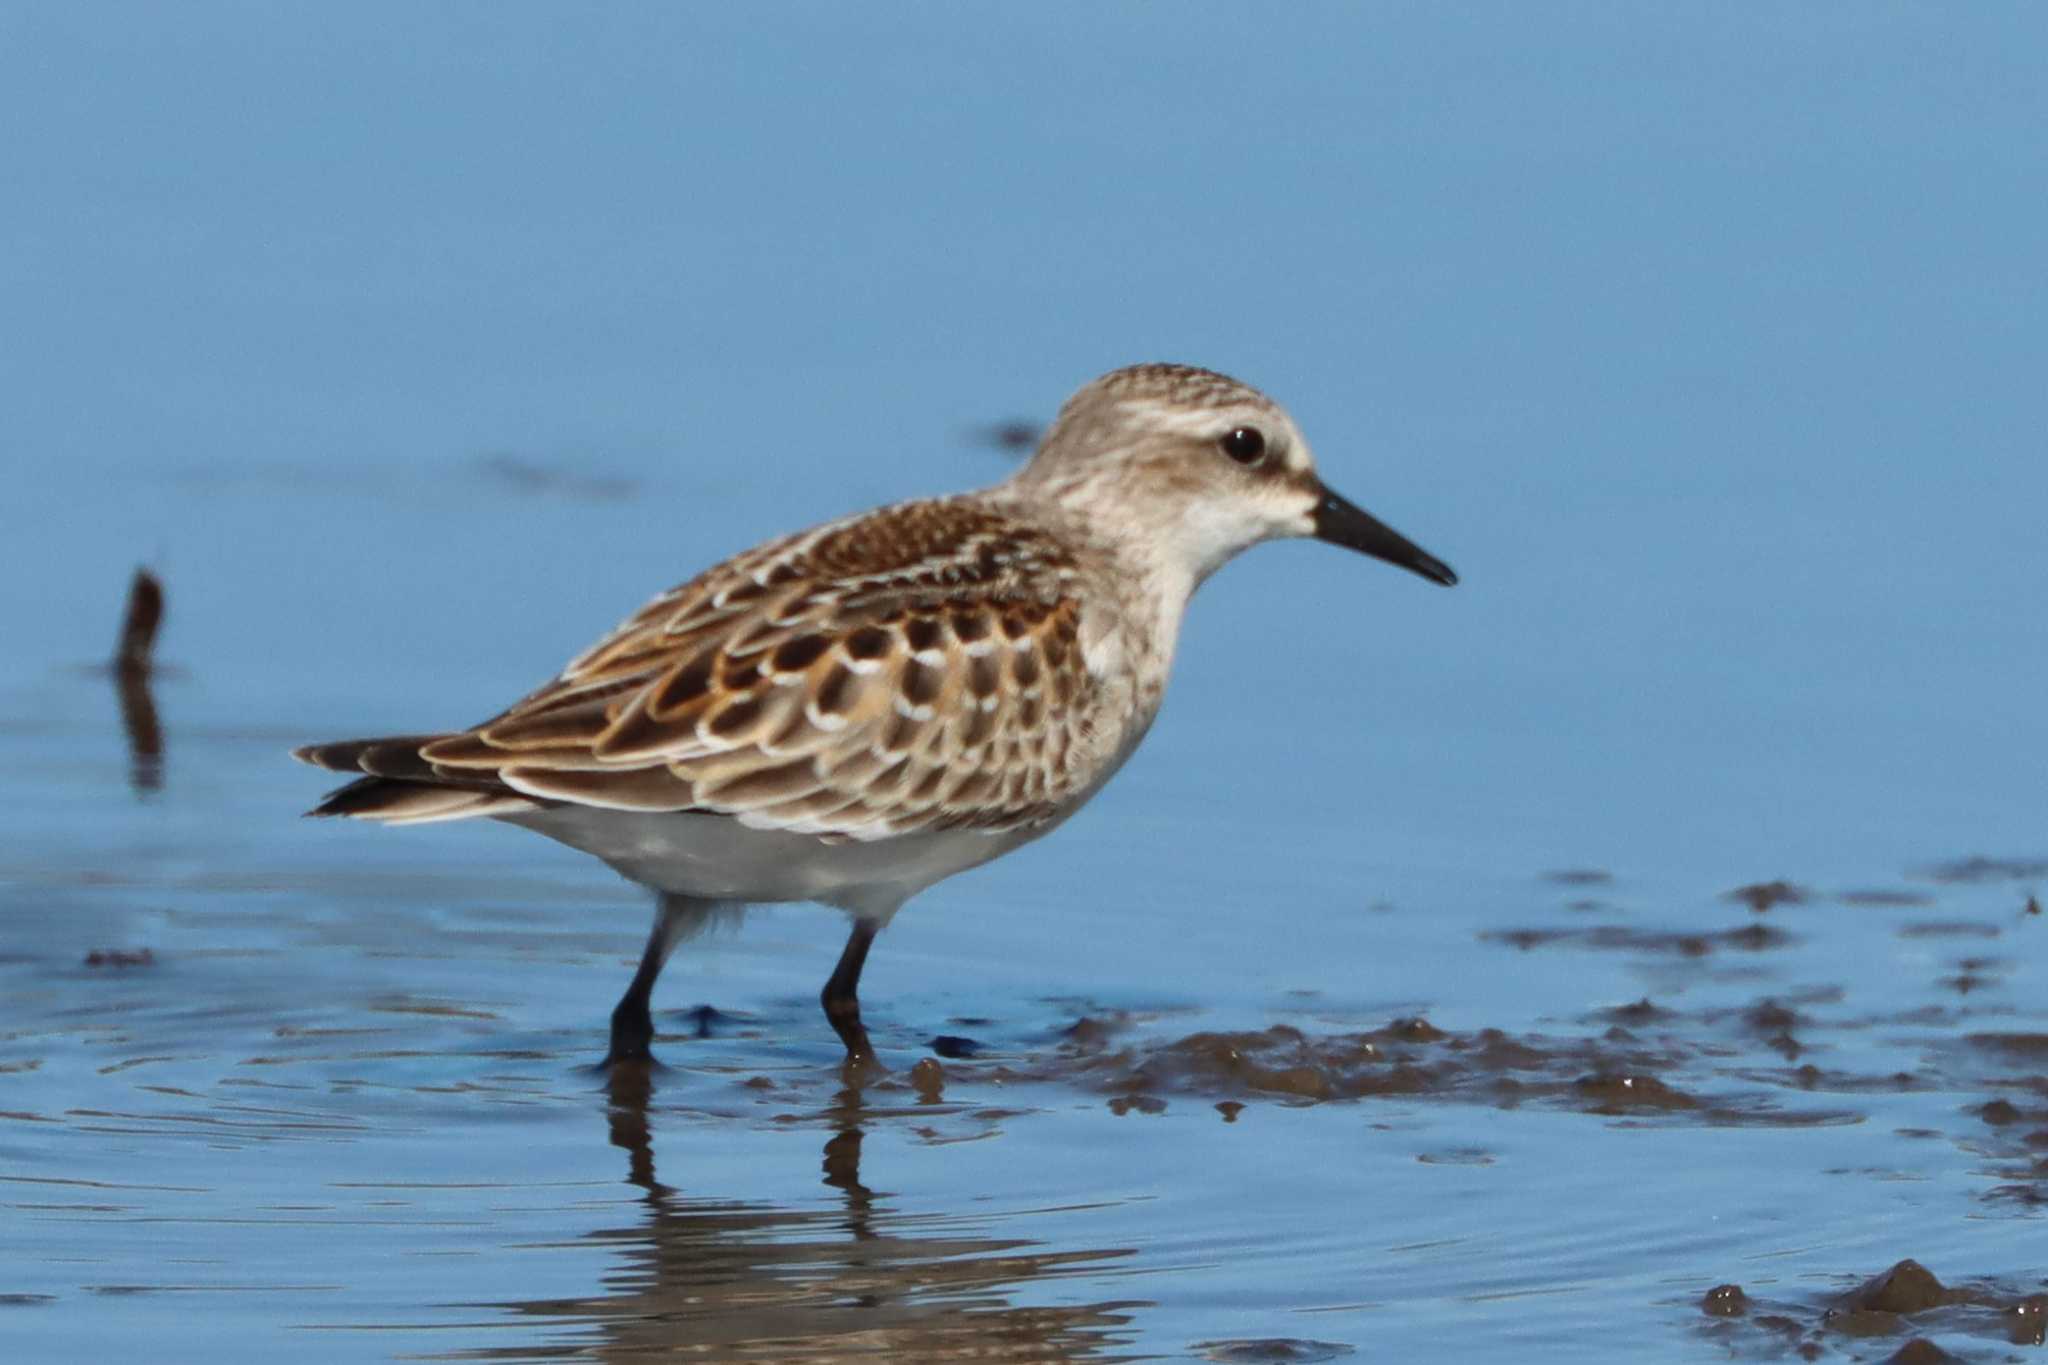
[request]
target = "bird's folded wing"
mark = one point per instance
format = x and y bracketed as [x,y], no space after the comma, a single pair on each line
[841,682]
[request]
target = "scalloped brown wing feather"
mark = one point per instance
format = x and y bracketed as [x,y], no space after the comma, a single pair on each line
[921,670]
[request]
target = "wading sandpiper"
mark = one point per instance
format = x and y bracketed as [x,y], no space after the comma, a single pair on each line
[855,712]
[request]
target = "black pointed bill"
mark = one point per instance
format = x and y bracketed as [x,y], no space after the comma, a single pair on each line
[1343,522]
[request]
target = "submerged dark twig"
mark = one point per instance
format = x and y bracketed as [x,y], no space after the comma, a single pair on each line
[134,652]
[134,661]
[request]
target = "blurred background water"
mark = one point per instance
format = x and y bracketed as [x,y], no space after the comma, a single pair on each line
[413,346]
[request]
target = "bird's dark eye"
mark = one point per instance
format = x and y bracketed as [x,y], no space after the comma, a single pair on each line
[1246,445]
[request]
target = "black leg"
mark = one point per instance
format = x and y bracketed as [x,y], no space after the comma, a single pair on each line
[675,919]
[632,1019]
[841,997]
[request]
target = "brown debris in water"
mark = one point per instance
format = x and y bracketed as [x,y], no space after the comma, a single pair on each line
[1768,1018]
[1579,876]
[1271,1351]
[1773,1024]
[928,1078]
[1761,896]
[120,957]
[1807,1076]
[1949,928]
[1092,1033]
[1752,938]
[1724,1301]
[1457,1156]
[1756,938]
[1972,976]
[1882,899]
[1979,869]
[1998,1113]
[1280,1061]
[1907,1287]
[2018,1045]
[2027,1321]
[1639,1013]
[1628,1094]
[954,1047]
[1896,1303]
[1615,1074]
[1415,1031]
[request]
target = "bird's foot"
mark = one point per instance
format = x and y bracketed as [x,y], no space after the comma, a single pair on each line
[632,1039]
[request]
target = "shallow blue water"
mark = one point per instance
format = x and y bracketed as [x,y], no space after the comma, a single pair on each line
[414,348]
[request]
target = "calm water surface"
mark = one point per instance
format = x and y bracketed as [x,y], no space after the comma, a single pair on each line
[281,1086]
[1392,1002]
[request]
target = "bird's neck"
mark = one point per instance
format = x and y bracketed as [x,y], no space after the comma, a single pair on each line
[1140,558]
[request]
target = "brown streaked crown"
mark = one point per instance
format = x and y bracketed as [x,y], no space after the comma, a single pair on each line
[1181,386]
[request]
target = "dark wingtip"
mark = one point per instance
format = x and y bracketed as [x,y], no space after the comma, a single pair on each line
[365,793]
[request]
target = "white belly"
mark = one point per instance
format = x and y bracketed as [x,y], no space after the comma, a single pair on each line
[710,857]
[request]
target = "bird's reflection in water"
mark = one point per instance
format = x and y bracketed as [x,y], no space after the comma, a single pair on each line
[753,1280]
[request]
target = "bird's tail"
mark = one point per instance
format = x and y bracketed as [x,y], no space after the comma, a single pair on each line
[398,787]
